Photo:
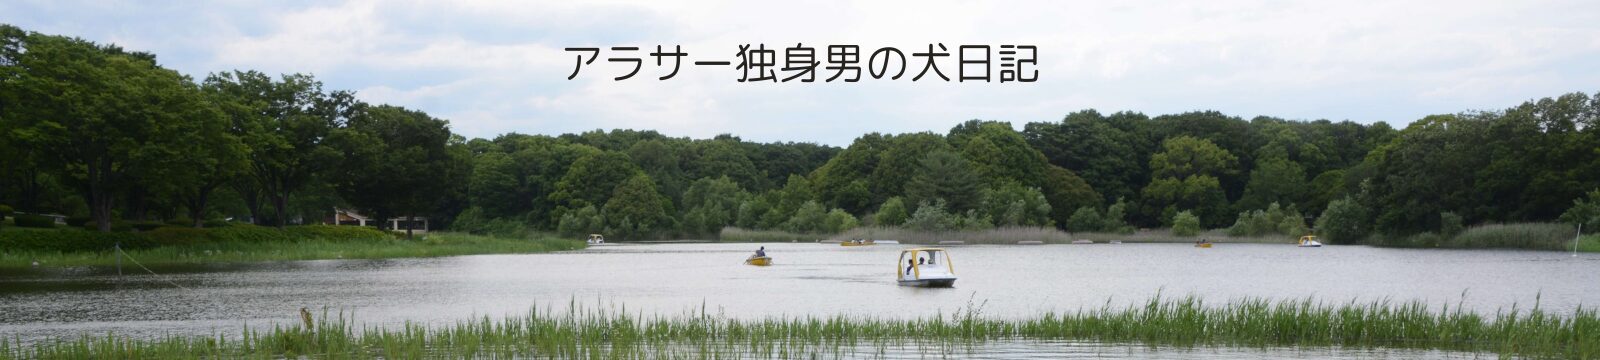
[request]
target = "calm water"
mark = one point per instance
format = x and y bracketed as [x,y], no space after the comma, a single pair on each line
[806,279]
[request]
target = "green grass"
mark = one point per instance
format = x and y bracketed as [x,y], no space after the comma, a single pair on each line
[1590,243]
[435,244]
[618,333]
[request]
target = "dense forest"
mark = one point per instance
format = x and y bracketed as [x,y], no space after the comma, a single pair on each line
[108,136]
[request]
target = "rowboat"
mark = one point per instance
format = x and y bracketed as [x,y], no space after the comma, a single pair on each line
[1203,245]
[857,242]
[758,260]
[925,267]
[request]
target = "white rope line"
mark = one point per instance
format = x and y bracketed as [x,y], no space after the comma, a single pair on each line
[141,266]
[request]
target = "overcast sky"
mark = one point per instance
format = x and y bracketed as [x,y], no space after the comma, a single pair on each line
[492,67]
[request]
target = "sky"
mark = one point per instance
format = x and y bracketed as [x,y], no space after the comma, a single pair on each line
[492,67]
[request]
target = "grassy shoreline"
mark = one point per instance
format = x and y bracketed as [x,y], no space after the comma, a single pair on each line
[317,248]
[619,333]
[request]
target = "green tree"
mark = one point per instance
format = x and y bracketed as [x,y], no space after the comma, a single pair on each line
[1065,191]
[838,221]
[809,218]
[1584,211]
[1115,219]
[1274,180]
[495,185]
[891,213]
[838,182]
[286,124]
[712,203]
[948,177]
[636,209]
[397,162]
[1450,224]
[106,114]
[591,180]
[1344,222]
[586,220]
[1015,205]
[1185,156]
[1086,219]
[1107,152]
[1185,223]
[897,162]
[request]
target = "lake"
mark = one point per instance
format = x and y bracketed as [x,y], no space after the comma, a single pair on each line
[805,279]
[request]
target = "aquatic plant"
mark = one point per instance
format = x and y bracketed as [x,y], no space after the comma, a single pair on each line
[601,332]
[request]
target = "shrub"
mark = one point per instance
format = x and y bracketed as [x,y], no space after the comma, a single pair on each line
[336,232]
[1185,223]
[1449,224]
[69,240]
[838,221]
[1584,210]
[180,222]
[1086,219]
[933,217]
[217,223]
[248,234]
[78,221]
[117,226]
[5,211]
[145,225]
[177,235]
[1344,222]
[1292,226]
[35,221]
[891,213]
[807,219]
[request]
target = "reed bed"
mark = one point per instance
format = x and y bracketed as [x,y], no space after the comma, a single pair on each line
[735,234]
[432,245]
[577,332]
[1539,236]
[1001,235]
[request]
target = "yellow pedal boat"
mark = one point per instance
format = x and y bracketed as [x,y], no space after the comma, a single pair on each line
[925,267]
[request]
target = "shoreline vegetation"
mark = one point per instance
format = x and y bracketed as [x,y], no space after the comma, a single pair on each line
[578,332]
[1527,236]
[249,243]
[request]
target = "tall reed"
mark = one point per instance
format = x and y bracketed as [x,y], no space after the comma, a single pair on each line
[600,332]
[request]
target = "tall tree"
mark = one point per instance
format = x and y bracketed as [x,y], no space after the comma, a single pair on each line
[286,124]
[945,175]
[397,162]
[105,113]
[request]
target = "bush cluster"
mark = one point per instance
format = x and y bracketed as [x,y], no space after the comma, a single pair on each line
[73,239]
[34,221]
[1274,220]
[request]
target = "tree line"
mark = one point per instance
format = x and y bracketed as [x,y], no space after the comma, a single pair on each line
[99,131]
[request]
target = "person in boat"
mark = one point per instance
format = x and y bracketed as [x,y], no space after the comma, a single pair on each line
[762,252]
[910,264]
